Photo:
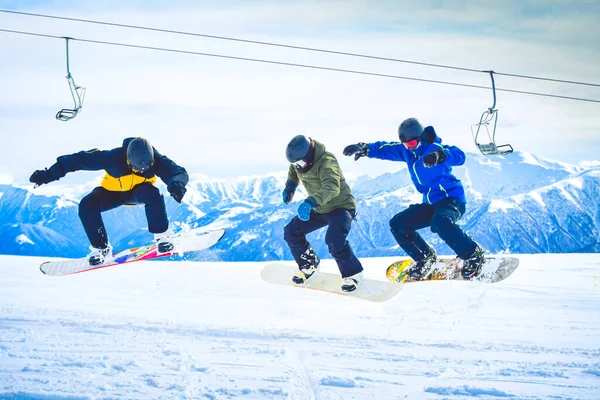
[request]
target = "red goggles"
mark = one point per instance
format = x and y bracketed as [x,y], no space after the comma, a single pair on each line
[411,144]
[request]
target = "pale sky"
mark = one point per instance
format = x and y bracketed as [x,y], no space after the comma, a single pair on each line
[226,118]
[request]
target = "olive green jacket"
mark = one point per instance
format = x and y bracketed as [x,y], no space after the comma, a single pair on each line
[324,182]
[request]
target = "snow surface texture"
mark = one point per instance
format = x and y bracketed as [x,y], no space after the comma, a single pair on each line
[188,330]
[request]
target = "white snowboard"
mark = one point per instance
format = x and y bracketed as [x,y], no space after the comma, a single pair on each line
[370,289]
[184,243]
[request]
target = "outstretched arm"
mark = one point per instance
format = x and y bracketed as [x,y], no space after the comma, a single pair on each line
[91,160]
[393,151]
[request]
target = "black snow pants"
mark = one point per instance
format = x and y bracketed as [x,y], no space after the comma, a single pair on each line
[441,217]
[100,200]
[339,222]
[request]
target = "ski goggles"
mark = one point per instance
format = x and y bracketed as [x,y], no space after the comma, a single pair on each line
[411,144]
[140,170]
[300,164]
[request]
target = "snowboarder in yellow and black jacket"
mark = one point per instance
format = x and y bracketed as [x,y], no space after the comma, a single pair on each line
[329,203]
[131,171]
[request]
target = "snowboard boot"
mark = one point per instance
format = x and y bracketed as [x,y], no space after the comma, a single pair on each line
[421,269]
[472,266]
[164,242]
[310,265]
[351,283]
[99,256]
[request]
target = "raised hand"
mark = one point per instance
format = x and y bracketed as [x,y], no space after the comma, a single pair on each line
[358,150]
[40,177]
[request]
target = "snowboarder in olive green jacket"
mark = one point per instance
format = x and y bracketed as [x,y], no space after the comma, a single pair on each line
[329,203]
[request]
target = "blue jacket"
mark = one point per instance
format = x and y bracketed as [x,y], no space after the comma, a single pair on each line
[435,183]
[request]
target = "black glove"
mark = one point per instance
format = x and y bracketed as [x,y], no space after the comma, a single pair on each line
[177,190]
[434,158]
[359,150]
[40,177]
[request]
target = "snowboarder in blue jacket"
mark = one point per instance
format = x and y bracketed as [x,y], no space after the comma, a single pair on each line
[130,173]
[444,203]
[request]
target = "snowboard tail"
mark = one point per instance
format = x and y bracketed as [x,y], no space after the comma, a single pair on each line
[369,289]
[185,243]
[495,269]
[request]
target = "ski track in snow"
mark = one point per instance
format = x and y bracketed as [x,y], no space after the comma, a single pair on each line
[183,330]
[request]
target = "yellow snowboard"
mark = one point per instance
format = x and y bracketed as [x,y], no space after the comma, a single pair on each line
[495,269]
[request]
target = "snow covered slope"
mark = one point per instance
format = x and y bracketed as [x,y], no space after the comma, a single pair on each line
[188,330]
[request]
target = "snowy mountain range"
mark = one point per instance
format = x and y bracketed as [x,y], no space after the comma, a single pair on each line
[518,203]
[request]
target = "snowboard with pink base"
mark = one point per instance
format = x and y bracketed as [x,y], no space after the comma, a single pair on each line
[185,243]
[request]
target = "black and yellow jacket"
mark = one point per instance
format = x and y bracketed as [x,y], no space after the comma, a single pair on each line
[119,176]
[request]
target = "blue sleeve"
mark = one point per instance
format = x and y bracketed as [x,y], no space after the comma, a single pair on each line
[454,155]
[393,151]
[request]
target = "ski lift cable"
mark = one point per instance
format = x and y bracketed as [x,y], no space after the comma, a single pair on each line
[293,47]
[302,66]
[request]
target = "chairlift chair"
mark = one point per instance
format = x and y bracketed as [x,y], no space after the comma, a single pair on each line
[489,116]
[77,92]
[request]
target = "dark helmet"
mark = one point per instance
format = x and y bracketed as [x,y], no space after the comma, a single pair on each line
[140,154]
[300,152]
[298,148]
[410,129]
